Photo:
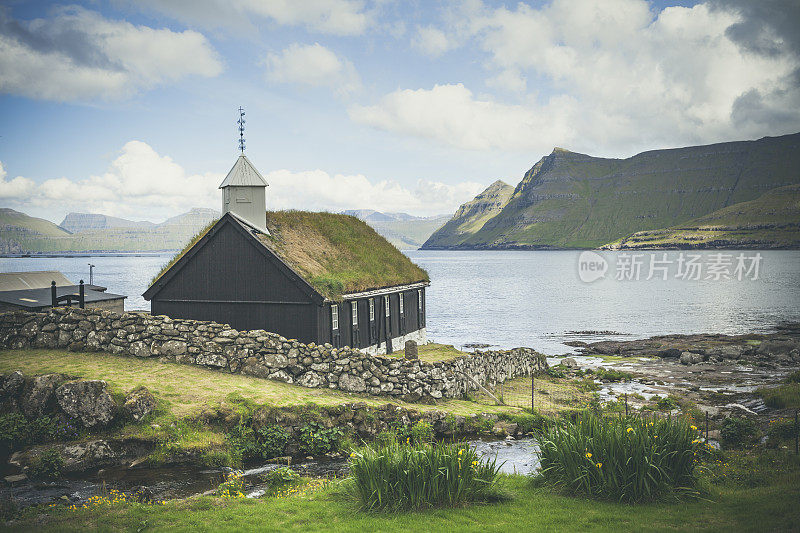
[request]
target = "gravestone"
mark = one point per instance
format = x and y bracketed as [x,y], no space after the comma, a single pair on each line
[411,350]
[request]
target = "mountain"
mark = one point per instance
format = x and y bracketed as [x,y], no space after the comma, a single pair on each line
[770,221]
[401,229]
[20,233]
[572,200]
[78,222]
[471,216]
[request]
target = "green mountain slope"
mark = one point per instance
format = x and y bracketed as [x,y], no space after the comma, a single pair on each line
[471,216]
[171,234]
[571,200]
[78,222]
[770,221]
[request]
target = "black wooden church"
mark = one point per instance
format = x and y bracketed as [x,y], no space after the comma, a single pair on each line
[314,277]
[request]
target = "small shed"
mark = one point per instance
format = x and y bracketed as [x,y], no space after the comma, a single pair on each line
[33,291]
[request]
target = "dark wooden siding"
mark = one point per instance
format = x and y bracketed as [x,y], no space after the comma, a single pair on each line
[230,280]
[367,334]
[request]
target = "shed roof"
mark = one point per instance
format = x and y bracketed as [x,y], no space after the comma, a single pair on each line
[243,174]
[42,297]
[37,279]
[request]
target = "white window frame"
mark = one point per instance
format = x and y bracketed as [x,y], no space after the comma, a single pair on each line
[334,317]
[388,309]
[402,310]
[372,309]
[354,310]
[419,300]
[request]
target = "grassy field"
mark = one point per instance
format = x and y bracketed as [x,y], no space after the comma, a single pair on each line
[188,388]
[726,507]
[433,352]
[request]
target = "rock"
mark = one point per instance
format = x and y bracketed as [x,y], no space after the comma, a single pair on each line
[502,428]
[411,351]
[570,362]
[173,348]
[686,358]
[669,353]
[140,349]
[12,384]
[351,383]
[41,396]
[212,359]
[310,379]
[88,400]
[139,403]
[16,479]
[697,358]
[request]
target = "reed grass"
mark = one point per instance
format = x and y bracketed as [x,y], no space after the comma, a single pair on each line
[627,459]
[400,476]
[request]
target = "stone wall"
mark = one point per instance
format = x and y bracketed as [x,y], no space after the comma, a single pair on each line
[260,353]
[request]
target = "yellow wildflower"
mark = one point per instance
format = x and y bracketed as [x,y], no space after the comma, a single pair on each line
[460,451]
[629,430]
[599,465]
[693,427]
[588,455]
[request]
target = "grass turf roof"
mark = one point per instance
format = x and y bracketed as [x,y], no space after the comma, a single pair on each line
[338,254]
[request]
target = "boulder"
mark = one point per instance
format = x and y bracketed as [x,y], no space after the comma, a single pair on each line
[686,358]
[40,398]
[570,362]
[12,384]
[139,403]
[87,400]
[503,428]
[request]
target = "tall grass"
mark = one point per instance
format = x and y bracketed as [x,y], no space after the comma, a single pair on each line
[623,459]
[398,476]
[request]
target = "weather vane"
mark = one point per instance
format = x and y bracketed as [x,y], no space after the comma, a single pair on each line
[240,122]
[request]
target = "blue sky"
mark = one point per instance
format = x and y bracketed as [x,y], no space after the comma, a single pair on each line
[129,107]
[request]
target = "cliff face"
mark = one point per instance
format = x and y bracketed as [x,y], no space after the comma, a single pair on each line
[78,222]
[471,216]
[571,200]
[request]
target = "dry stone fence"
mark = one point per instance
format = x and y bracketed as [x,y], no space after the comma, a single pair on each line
[261,353]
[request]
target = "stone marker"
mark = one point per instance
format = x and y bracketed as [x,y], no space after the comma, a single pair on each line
[411,350]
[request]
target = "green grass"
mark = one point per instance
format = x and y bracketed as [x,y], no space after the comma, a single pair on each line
[781,397]
[413,476]
[338,254]
[186,389]
[728,506]
[433,352]
[621,459]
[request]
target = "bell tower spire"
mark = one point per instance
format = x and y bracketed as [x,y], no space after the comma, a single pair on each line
[240,122]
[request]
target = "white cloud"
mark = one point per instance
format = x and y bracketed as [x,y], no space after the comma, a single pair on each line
[79,55]
[142,185]
[313,65]
[318,190]
[337,17]
[452,115]
[433,41]
[611,77]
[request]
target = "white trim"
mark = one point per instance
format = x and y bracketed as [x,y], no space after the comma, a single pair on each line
[386,290]
[334,317]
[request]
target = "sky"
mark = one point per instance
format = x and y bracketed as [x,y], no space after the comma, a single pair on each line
[129,107]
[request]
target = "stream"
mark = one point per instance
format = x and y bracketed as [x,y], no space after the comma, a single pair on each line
[164,483]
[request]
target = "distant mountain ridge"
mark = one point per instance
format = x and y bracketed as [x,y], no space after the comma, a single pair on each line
[572,200]
[20,233]
[78,222]
[401,229]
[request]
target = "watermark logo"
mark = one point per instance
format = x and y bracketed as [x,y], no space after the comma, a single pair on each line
[591,266]
[662,266]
